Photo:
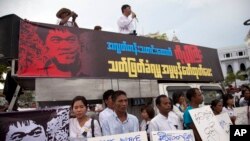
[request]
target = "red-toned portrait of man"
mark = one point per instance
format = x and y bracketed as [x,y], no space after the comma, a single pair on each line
[60,54]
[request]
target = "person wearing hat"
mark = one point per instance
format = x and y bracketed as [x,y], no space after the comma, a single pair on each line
[64,15]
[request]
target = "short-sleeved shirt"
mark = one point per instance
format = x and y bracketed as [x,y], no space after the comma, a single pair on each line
[187,117]
[112,125]
[76,131]
[104,114]
[230,111]
[163,123]
[243,102]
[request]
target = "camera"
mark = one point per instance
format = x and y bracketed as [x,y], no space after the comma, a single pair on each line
[74,14]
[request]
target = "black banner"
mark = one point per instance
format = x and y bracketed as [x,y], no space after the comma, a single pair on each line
[58,51]
[39,125]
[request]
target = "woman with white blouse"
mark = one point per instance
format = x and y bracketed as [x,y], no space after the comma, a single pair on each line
[82,127]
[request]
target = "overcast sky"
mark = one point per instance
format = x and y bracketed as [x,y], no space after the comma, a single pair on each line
[210,23]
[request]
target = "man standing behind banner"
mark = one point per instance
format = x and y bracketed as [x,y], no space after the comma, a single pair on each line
[120,121]
[125,22]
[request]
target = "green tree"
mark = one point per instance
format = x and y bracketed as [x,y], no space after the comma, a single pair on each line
[231,77]
[157,35]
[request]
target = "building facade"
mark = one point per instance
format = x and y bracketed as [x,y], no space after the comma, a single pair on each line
[235,58]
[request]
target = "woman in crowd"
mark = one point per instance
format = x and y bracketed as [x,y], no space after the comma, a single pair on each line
[216,106]
[179,104]
[228,103]
[147,113]
[82,126]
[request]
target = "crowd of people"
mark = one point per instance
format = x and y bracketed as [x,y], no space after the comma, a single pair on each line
[173,114]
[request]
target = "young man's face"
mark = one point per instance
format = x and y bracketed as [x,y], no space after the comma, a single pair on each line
[63,46]
[26,132]
[121,103]
[127,11]
[165,105]
[109,102]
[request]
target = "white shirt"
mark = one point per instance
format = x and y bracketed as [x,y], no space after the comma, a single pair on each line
[177,111]
[243,102]
[125,24]
[230,111]
[112,125]
[104,114]
[143,125]
[162,123]
[75,131]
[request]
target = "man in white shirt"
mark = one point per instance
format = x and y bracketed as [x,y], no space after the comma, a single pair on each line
[125,22]
[166,119]
[120,121]
[107,99]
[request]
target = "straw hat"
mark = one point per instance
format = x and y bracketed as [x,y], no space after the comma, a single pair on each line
[61,11]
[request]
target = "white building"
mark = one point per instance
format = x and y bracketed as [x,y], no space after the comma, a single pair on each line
[235,58]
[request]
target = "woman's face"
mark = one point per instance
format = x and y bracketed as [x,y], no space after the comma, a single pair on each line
[144,115]
[181,99]
[79,109]
[230,102]
[218,107]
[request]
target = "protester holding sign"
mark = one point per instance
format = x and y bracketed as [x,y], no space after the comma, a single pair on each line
[195,97]
[120,121]
[82,126]
[216,106]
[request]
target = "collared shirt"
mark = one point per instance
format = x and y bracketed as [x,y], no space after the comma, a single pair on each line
[76,131]
[187,117]
[144,126]
[104,114]
[112,125]
[163,123]
[125,24]
[177,110]
[230,111]
[243,102]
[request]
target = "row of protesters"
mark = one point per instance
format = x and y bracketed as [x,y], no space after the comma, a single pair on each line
[113,120]
[126,22]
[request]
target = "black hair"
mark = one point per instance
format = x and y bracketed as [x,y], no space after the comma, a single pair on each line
[25,118]
[150,111]
[158,99]
[107,94]
[191,93]
[77,98]
[214,103]
[225,98]
[118,93]
[43,31]
[97,27]
[176,96]
[124,7]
